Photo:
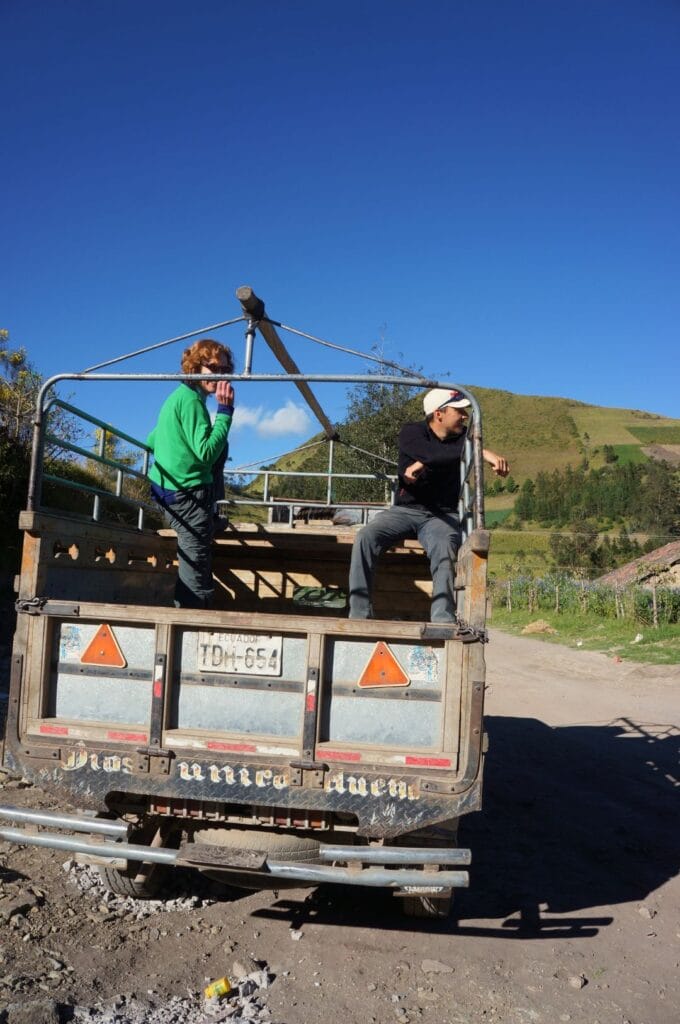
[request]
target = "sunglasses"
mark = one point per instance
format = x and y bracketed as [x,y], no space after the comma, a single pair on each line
[217,368]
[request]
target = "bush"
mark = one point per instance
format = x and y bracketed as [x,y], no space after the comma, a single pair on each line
[571,595]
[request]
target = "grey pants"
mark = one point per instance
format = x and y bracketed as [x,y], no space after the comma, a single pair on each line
[439,535]
[191,517]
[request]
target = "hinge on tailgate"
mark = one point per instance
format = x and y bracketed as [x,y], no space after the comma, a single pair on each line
[154,760]
[309,774]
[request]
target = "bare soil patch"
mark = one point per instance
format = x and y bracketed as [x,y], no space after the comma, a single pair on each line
[663,453]
[572,914]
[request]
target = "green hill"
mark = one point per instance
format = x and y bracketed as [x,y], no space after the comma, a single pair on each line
[537,433]
[534,432]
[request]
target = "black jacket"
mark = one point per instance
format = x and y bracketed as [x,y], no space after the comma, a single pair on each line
[438,487]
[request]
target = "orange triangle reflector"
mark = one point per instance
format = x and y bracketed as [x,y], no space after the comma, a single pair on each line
[103,649]
[383,669]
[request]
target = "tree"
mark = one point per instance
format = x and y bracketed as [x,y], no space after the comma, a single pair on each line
[375,413]
[526,500]
[576,550]
[19,386]
[660,498]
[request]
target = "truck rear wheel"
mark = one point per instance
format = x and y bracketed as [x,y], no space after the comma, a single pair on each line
[428,906]
[134,881]
[140,879]
[432,905]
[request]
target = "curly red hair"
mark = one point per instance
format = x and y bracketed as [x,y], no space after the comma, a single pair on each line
[203,353]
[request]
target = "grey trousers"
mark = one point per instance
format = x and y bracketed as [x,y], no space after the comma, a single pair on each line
[191,517]
[439,535]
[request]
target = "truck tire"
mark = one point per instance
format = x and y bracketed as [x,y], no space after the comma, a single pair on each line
[278,845]
[141,879]
[428,906]
[443,834]
[131,882]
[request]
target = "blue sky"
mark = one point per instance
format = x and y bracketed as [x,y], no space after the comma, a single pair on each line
[490,186]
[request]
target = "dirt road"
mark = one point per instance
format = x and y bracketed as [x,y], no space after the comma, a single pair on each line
[573,913]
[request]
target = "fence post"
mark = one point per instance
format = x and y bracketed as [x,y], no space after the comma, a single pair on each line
[655,610]
[557,599]
[509,598]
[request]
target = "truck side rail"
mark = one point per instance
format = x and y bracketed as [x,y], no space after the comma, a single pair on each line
[122,469]
[471,505]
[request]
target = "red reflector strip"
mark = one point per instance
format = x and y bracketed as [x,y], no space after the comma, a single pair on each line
[311,701]
[54,730]
[339,755]
[246,748]
[158,689]
[132,737]
[428,762]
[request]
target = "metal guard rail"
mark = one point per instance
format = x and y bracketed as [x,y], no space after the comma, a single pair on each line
[471,509]
[122,470]
[388,867]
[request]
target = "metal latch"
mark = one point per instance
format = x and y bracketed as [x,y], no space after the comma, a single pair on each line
[310,765]
[468,634]
[43,606]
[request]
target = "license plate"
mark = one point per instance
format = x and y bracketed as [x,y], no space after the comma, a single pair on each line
[421,890]
[252,654]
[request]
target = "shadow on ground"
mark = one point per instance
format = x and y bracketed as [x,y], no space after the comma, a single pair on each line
[574,819]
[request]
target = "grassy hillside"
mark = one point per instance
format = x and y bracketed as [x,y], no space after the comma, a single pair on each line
[535,433]
[538,433]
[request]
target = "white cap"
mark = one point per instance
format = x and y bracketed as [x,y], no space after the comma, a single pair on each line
[439,398]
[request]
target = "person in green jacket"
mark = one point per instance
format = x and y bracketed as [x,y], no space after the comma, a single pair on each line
[189,452]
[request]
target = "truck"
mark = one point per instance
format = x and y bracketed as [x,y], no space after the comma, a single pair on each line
[268,741]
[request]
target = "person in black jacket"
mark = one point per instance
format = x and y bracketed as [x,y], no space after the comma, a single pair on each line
[430,454]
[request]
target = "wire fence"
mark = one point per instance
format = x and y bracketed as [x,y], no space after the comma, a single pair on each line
[650,605]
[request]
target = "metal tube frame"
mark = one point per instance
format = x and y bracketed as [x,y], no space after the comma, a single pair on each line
[43,406]
[389,867]
[73,822]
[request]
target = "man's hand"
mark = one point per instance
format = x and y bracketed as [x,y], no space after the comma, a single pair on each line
[412,472]
[224,393]
[498,463]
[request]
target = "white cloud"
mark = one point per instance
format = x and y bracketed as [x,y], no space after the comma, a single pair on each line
[246,417]
[289,419]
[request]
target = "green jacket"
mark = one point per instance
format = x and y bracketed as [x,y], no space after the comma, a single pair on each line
[185,443]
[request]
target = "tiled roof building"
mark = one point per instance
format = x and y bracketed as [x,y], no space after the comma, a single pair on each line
[661,566]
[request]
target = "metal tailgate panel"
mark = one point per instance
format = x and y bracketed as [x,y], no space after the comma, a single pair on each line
[96,692]
[237,703]
[407,716]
